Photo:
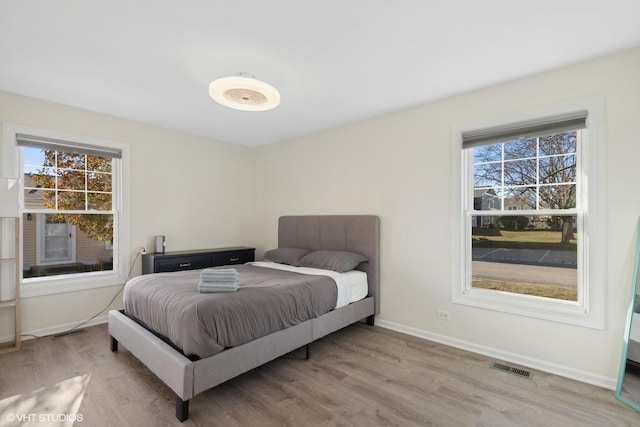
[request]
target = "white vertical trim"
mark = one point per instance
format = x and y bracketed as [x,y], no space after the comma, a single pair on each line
[8,251]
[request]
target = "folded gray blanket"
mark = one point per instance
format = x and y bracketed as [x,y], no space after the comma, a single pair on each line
[210,287]
[219,284]
[219,275]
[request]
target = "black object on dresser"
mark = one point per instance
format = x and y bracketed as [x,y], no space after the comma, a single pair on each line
[193,260]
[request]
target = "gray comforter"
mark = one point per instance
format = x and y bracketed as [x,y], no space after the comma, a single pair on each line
[204,324]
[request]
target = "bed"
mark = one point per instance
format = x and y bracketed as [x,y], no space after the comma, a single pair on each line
[187,377]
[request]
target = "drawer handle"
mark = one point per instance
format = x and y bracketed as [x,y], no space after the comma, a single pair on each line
[186,264]
[234,259]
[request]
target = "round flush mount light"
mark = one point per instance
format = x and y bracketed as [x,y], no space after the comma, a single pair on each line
[244,93]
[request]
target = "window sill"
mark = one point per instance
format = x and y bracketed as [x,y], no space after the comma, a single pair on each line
[568,312]
[69,283]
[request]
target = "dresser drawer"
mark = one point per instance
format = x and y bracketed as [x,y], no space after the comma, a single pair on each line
[235,257]
[191,262]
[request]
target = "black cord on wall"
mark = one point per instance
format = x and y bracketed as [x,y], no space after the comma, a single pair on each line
[71,330]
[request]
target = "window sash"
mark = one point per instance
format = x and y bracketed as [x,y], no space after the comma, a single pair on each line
[520,303]
[85,189]
[470,163]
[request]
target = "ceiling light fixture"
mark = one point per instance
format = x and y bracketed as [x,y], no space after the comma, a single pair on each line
[244,92]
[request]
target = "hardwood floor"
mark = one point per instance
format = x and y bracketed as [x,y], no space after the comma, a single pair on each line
[359,376]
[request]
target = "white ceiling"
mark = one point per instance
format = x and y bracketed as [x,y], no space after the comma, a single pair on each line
[333,61]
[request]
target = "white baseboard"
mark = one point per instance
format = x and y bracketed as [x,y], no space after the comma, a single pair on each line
[44,332]
[561,370]
[564,371]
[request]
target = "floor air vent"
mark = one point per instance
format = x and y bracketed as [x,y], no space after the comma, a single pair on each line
[67,333]
[510,369]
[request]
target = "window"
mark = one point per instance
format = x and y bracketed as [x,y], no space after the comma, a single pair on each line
[78,187]
[55,241]
[528,239]
[535,251]
[74,223]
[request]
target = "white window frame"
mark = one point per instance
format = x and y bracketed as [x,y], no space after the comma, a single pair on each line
[11,167]
[589,310]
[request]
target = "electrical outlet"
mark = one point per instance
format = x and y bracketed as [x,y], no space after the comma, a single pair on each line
[143,250]
[443,315]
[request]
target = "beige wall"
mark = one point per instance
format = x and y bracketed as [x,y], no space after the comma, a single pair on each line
[176,180]
[399,167]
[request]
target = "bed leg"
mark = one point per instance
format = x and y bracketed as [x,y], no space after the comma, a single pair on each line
[182,409]
[114,344]
[308,355]
[371,320]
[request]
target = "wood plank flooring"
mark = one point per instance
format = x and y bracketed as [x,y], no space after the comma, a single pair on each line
[359,376]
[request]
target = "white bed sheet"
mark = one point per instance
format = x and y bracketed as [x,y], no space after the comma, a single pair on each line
[352,286]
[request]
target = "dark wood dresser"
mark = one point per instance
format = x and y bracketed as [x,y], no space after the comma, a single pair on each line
[193,260]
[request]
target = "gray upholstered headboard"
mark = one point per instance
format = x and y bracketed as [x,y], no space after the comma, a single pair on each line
[354,233]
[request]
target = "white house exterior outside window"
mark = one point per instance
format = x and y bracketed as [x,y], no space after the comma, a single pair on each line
[529,228]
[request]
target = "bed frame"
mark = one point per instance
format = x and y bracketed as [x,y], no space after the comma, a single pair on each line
[187,378]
